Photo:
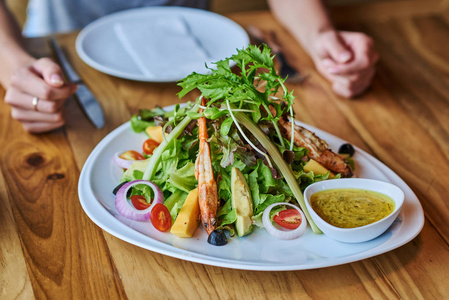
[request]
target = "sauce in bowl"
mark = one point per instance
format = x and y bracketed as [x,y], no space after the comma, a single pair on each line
[349,207]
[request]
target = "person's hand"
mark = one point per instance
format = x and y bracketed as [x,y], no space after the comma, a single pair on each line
[346,59]
[36,94]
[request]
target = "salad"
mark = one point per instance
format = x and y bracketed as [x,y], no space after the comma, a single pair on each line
[233,160]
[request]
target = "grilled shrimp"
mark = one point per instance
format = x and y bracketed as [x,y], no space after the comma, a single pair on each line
[207,187]
[318,149]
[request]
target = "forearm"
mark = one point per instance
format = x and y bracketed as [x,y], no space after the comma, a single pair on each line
[12,53]
[305,19]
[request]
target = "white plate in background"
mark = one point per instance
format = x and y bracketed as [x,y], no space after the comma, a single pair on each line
[117,44]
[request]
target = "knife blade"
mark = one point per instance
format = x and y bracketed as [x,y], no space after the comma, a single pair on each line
[195,38]
[86,99]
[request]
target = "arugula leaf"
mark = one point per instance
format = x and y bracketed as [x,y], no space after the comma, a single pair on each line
[256,70]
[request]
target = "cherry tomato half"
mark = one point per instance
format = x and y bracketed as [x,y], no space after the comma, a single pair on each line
[140,202]
[149,146]
[132,155]
[289,218]
[160,217]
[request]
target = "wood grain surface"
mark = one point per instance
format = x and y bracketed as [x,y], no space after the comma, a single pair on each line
[49,248]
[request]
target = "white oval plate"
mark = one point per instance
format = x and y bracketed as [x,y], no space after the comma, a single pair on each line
[101,47]
[257,251]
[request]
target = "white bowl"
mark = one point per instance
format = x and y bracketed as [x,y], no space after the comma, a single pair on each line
[362,233]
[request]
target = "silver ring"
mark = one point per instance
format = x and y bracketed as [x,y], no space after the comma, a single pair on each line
[34,102]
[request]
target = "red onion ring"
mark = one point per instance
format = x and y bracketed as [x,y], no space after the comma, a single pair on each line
[121,162]
[281,234]
[127,210]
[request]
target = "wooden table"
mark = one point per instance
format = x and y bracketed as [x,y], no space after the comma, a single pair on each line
[50,248]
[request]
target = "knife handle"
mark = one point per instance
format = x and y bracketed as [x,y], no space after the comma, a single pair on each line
[260,37]
[65,64]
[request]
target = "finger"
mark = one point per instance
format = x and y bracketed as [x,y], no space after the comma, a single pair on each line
[347,92]
[324,71]
[18,99]
[351,89]
[50,71]
[39,127]
[364,58]
[349,85]
[337,50]
[360,64]
[354,80]
[30,83]
[23,115]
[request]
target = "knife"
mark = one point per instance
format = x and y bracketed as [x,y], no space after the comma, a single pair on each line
[270,39]
[195,38]
[86,99]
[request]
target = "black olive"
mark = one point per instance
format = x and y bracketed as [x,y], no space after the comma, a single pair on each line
[288,156]
[118,187]
[217,238]
[346,149]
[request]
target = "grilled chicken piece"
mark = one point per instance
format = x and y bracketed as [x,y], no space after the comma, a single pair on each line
[318,149]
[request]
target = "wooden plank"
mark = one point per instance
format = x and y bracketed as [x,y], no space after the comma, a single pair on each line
[18,9]
[418,270]
[386,10]
[428,37]
[65,253]
[231,6]
[15,282]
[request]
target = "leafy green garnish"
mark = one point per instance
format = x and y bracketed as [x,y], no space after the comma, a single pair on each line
[256,85]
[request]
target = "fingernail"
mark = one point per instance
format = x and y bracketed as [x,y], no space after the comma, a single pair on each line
[345,56]
[56,79]
[327,62]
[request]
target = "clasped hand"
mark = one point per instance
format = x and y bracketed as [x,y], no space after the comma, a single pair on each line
[346,59]
[36,94]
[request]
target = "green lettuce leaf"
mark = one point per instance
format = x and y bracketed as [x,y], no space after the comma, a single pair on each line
[184,178]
